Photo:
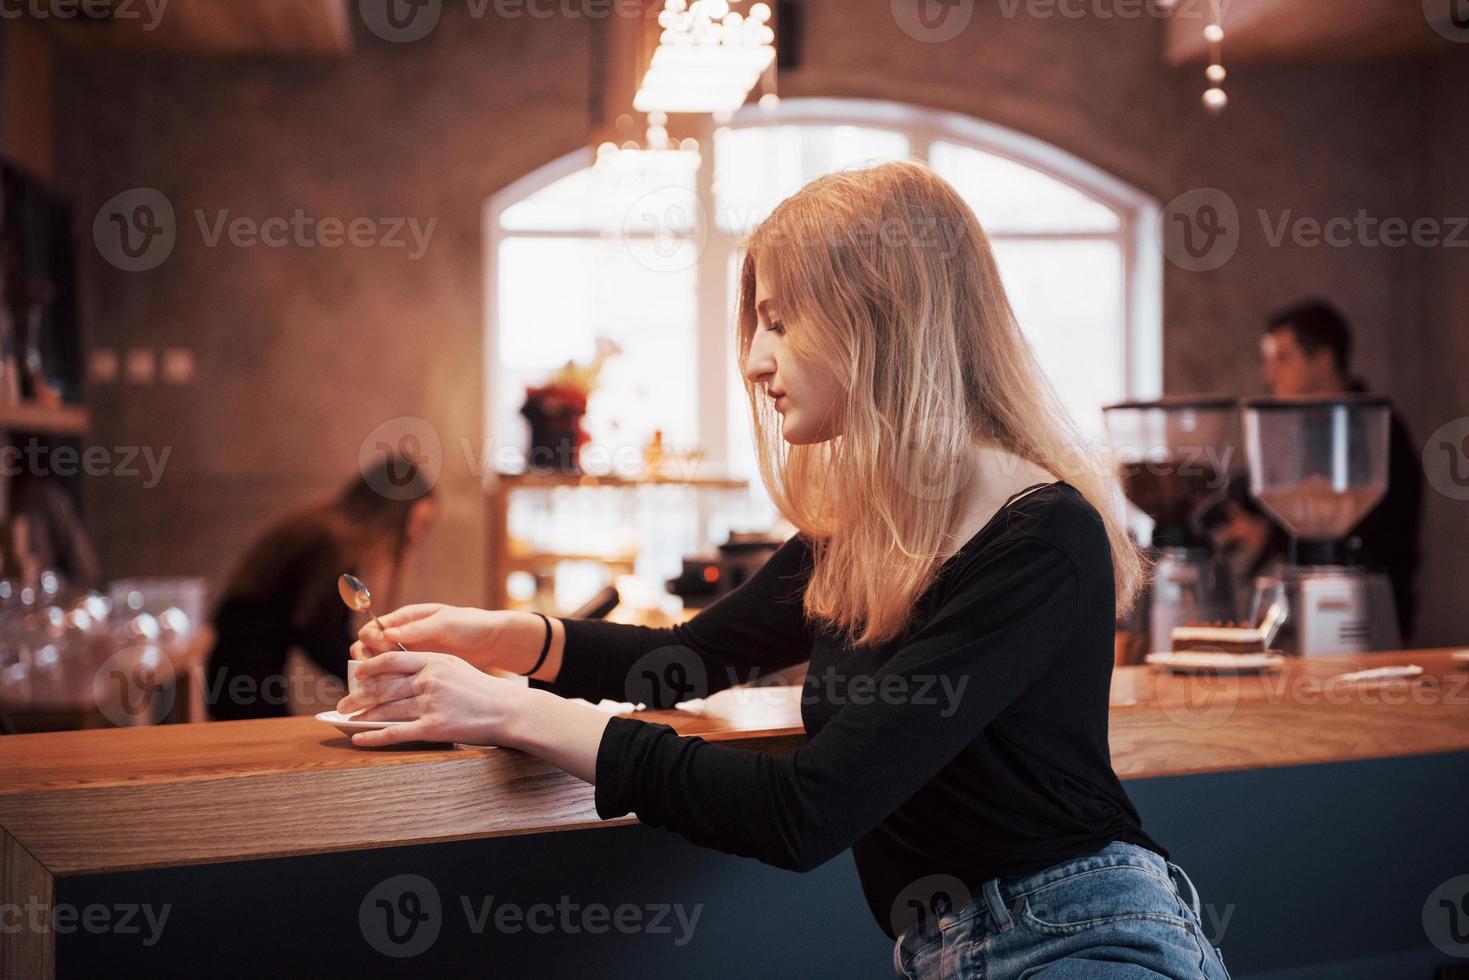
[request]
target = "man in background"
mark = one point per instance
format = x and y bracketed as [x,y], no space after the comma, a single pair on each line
[1252,543]
[1306,350]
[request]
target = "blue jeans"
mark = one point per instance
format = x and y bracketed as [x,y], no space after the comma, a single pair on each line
[1122,912]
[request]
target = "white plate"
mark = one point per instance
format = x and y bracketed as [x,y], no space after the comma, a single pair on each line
[346,725]
[1188,660]
[1461,655]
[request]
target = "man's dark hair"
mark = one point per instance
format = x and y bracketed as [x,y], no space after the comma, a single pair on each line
[1317,324]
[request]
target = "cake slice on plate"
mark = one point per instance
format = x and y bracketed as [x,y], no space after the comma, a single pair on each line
[1219,639]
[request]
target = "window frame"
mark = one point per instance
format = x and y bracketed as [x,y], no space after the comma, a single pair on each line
[1135,236]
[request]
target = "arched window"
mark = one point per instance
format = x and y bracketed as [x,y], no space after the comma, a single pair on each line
[644,252]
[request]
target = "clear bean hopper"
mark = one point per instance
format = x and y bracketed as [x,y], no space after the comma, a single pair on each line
[1174,457]
[1318,466]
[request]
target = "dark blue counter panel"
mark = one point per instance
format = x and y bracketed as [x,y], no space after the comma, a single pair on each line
[1319,871]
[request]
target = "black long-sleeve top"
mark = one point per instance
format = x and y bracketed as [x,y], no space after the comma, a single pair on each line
[1388,537]
[974,746]
[256,630]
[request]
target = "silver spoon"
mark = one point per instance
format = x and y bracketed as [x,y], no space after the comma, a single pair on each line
[359,599]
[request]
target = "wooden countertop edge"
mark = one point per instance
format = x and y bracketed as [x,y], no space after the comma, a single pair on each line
[248,816]
[494,793]
[366,760]
[1157,742]
[214,815]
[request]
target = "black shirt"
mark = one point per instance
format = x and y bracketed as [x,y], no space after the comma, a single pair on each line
[255,631]
[974,746]
[1388,537]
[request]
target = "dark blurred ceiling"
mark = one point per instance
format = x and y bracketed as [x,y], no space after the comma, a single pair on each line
[1320,30]
[292,28]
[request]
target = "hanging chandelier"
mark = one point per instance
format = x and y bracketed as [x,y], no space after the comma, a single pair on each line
[709,57]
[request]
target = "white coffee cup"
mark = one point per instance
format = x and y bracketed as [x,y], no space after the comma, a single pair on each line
[353,684]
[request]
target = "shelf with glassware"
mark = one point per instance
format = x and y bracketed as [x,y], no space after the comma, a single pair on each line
[553,470]
[41,418]
[619,550]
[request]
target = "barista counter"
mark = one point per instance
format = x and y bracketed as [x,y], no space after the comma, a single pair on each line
[84,815]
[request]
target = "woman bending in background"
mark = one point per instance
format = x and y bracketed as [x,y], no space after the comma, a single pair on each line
[283,595]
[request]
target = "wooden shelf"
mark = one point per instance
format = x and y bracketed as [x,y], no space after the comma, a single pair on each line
[549,479]
[501,559]
[69,420]
[532,560]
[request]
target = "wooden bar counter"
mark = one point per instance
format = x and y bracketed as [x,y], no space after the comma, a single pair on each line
[84,802]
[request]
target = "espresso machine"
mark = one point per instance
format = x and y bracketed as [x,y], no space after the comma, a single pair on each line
[1318,465]
[1175,457]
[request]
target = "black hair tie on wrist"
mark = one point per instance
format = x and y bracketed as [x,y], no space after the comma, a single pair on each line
[545,647]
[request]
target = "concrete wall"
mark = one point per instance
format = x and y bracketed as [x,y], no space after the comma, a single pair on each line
[429,129]
[303,352]
[27,110]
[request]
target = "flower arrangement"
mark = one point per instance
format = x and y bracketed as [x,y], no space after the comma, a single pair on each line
[555,410]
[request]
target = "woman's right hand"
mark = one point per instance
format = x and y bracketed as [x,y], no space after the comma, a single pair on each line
[432,626]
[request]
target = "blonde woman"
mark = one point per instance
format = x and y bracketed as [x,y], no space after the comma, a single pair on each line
[953,586]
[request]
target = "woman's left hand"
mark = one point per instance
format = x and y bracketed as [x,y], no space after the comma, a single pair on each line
[443,699]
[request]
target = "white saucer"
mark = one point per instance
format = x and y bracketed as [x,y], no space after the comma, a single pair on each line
[1199,660]
[346,725]
[1460,655]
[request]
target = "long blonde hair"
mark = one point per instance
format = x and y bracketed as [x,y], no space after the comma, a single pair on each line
[885,274]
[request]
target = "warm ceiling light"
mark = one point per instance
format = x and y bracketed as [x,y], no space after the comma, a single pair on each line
[1215,98]
[709,57]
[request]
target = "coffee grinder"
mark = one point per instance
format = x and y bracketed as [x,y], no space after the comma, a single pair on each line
[1175,456]
[1318,465]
